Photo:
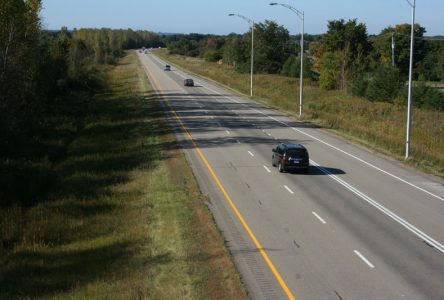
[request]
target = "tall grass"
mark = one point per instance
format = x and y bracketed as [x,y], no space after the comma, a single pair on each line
[123,217]
[381,126]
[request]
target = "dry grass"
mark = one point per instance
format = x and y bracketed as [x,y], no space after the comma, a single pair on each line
[381,126]
[125,220]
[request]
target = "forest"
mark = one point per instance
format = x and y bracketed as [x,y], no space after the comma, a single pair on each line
[48,78]
[346,58]
[47,81]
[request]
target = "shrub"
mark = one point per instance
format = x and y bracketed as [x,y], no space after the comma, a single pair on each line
[329,71]
[384,85]
[359,87]
[290,67]
[212,55]
[425,96]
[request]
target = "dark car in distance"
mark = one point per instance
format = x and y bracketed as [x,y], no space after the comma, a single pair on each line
[290,157]
[188,82]
[167,68]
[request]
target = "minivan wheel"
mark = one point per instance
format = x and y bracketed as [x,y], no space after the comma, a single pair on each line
[272,161]
[280,167]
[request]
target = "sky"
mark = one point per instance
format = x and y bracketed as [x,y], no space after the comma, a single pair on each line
[211,17]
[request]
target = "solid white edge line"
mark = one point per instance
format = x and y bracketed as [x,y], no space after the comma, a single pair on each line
[334,147]
[267,169]
[364,259]
[387,212]
[370,165]
[319,218]
[383,209]
[249,152]
[288,189]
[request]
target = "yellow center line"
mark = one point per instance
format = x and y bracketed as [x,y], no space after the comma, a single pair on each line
[221,187]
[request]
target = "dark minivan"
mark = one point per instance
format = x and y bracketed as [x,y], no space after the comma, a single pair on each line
[290,157]
[188,82]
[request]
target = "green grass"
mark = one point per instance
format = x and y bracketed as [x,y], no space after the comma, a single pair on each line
[122,216]
[381,126]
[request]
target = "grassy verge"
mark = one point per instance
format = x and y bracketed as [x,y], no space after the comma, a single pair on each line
[381,126]
[123,217]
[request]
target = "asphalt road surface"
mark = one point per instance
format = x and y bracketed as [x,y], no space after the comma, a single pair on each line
[357,226]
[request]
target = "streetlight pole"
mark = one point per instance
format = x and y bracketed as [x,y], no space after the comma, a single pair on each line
[251,22]
[301,16]
[393,49]
[409,104]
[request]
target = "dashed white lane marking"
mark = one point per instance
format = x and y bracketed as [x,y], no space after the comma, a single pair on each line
[401,221]
[237,141]
[334,147]
[288,189]
[383,209]
[267,169]
[249,152]
[364,259]
[228,132]
[319,217]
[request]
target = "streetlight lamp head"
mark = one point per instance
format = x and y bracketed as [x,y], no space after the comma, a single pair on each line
[273,3]
[230,15]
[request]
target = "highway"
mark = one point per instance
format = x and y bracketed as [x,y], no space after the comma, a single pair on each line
[358,226]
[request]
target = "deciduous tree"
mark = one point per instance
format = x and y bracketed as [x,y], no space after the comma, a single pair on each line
[348,43]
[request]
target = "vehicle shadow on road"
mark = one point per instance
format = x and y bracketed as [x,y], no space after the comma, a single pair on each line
[320,170]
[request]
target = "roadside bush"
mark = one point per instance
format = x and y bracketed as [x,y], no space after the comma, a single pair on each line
[212,55]
[384,85]
[292,67]
[359,87]
[425,96]
[329,71]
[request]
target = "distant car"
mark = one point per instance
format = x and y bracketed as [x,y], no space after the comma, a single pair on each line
[188,82]
[140,51]
[290,157]
[167,68]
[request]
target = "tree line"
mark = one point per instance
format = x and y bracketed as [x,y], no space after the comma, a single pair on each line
[41,70]
[346,57]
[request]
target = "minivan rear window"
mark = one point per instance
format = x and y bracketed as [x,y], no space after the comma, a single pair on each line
[296,152]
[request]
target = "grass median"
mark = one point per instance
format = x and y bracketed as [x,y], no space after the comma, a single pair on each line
[378,125]
[124,218]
